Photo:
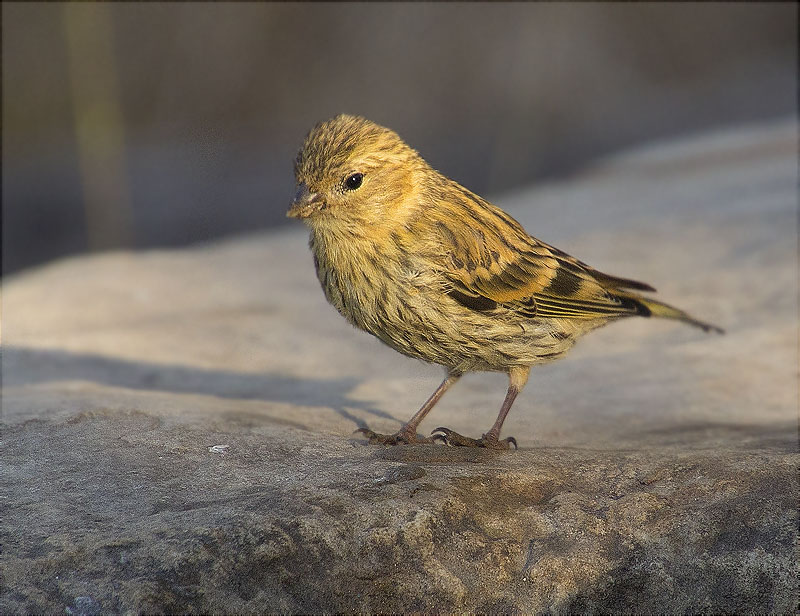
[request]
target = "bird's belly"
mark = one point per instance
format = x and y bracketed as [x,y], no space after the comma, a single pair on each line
[425,323]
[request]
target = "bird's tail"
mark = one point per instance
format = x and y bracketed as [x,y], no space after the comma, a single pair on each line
[651,307]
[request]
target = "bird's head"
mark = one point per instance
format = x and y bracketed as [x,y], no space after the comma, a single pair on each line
[353,171]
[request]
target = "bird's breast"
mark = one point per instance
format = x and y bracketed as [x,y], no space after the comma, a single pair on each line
[360,277]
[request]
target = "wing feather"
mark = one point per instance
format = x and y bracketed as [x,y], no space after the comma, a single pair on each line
[499,263]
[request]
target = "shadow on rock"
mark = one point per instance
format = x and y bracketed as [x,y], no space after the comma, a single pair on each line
[25,366]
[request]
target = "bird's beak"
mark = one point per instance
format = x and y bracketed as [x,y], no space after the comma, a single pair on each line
[305,203]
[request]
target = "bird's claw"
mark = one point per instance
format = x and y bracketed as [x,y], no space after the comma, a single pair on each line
[454,439]
[401,437]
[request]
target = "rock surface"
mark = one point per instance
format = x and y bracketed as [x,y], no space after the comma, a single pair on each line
[177,425]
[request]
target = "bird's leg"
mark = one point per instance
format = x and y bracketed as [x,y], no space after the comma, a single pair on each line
[408,433]
[517,377]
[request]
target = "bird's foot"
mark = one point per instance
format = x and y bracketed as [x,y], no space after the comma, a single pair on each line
[487,441]
[401,437]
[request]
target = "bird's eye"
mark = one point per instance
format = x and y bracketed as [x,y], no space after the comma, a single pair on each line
[353,181]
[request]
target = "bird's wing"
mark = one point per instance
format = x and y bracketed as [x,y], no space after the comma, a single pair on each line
[489,259]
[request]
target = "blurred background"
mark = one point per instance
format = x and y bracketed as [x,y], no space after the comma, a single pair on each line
[161,124]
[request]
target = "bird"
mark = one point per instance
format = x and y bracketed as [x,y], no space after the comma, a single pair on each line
[439,274]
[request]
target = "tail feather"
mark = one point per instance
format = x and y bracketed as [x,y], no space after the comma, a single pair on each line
[658,309]
[615,282]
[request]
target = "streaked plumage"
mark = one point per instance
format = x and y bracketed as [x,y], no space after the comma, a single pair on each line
[440,274]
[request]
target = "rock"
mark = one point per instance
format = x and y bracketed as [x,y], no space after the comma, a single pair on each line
[178,424]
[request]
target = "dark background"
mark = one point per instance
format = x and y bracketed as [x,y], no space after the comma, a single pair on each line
[163,124]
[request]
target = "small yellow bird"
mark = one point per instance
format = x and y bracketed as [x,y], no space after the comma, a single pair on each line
[440,274]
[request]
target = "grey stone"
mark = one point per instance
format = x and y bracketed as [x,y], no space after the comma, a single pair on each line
[177,425]
[84,606]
